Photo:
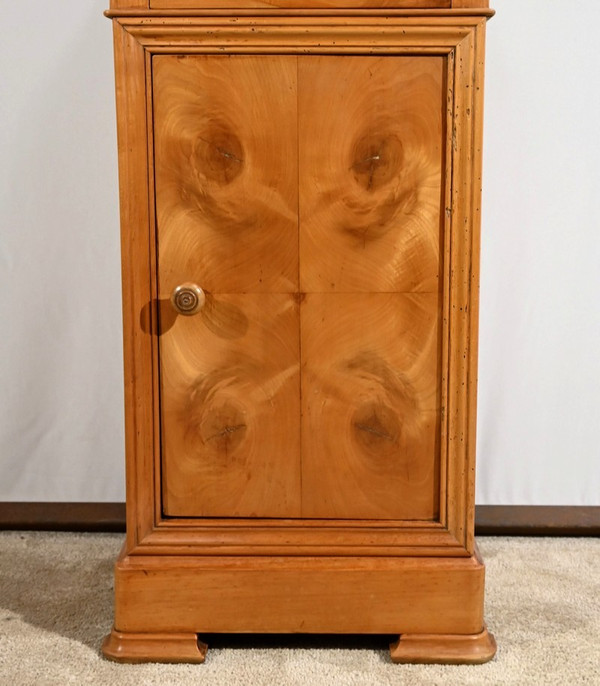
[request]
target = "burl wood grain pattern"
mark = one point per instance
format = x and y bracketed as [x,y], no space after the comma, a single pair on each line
[371,140]
[370,405]
[303,195]
[226,199]
[371,135]
[231,403]
[226,172]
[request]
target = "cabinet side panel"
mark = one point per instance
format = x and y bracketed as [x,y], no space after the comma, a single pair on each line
[130,76]
[474,273]
[464,285]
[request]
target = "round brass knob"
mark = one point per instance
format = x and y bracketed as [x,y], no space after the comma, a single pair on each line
[188,299]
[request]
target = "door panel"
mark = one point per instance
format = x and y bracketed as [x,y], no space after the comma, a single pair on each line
[226,172]
[370,158]
[303,193]
[226,205]
[370,173]
[370,403]
[230,409]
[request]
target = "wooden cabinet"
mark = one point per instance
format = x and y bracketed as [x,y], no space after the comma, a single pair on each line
[300,187]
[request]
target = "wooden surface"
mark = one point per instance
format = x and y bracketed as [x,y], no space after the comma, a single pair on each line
[452,649]
[410,4]
[371,139]
[226,177]
[397,33]
[206,594]
[137,270]
[231,403]
[370,401]
[309,239]
[341,4]
[213,140]
[226,197]
[154,647]
[191,4]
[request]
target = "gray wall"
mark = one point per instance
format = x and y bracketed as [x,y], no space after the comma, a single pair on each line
[61,426]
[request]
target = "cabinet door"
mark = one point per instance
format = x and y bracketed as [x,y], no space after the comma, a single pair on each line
[303,194]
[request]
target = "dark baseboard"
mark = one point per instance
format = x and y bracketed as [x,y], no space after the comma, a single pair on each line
[537,520]
[109,517]
[490,520]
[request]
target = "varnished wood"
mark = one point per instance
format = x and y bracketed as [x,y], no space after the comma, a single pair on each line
[474,271]
[370,400]
[456,466]
[154,647]
[446,29]
[230,214]
[189,234]
[455,649]
[230,408]
[141,402]
[413,34]
[463,283]
[316,537]
[226,193]
[212,594]
[226,197]
[341,4]
[189,5]
[370,173]
[281,12]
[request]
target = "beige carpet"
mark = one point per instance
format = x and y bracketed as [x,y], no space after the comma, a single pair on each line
[543,605]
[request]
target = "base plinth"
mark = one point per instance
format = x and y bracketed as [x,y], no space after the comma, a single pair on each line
[162,603]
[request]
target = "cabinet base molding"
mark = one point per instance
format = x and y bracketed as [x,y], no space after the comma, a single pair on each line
[163,603]
[151,647]
[456,649]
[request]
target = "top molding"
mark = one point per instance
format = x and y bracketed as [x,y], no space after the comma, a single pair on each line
[166,6]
